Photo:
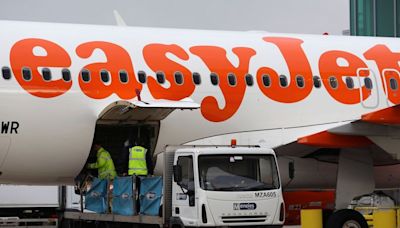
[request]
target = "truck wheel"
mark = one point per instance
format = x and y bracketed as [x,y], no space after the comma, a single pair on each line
[346,218]
[176,222]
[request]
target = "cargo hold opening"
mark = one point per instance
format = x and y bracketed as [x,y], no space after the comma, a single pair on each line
[117,138]
[123,124]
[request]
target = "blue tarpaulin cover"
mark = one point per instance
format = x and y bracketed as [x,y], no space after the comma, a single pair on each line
[123,201]
[96,197]
[150,195]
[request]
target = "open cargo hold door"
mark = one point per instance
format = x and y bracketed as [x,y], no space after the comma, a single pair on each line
[124,111]
[134,121]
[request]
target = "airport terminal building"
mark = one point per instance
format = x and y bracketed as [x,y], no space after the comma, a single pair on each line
[375,18]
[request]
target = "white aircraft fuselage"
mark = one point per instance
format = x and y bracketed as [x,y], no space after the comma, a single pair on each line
[47,126]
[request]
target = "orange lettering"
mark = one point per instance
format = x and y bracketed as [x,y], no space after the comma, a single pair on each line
[117,59]
[156,58]
[329,66]
[217,62]
[386,59]
[48,54]
[299,67]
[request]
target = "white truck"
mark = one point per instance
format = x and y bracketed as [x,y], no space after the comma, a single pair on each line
[29,205]
[36,206]
[209,186]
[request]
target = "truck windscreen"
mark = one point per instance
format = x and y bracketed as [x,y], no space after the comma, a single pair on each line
[238,172]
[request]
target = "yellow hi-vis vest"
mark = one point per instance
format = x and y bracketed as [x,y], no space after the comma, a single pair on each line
[104,164]
[137,161]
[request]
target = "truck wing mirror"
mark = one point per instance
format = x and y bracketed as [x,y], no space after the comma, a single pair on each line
[291,170]
[177,173]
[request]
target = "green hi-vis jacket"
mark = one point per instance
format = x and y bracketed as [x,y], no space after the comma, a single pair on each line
[104,164]
[137,161]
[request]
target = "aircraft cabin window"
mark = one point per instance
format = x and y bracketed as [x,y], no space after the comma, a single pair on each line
[368,83]
[26,73]
[123,76]
[393,84]
[46,73]
[6,73]
[160,77]
[142,76]
[349,83]
[300,81]
[249,80]
[105,76]
[196,78]
[232,79]
[178,78]
[333,82]
[214,78]
[85,74]
[266,80]
[66,75]
[317,82]
[283,81]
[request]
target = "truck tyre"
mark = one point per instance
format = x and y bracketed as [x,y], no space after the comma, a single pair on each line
[176,222]
[346,218]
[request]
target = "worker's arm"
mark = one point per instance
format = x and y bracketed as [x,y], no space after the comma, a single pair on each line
[101,161]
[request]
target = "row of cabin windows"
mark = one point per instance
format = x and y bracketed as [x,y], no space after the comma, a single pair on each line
[142,77]
[27,74]
[300,82]
[104,75]
[231,79]
[123,76]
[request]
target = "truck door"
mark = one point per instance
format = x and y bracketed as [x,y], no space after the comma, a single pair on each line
[184,203]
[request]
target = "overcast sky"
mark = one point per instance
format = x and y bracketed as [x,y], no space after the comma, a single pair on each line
[294,16]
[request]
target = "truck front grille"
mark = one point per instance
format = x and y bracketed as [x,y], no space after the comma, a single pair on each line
[241,219]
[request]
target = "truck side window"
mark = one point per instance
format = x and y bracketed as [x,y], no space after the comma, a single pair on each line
[186,163]
[268,172]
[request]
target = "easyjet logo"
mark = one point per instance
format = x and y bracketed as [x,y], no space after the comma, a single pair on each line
[214,57]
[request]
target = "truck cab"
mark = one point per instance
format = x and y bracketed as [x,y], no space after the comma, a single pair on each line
[226,186]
